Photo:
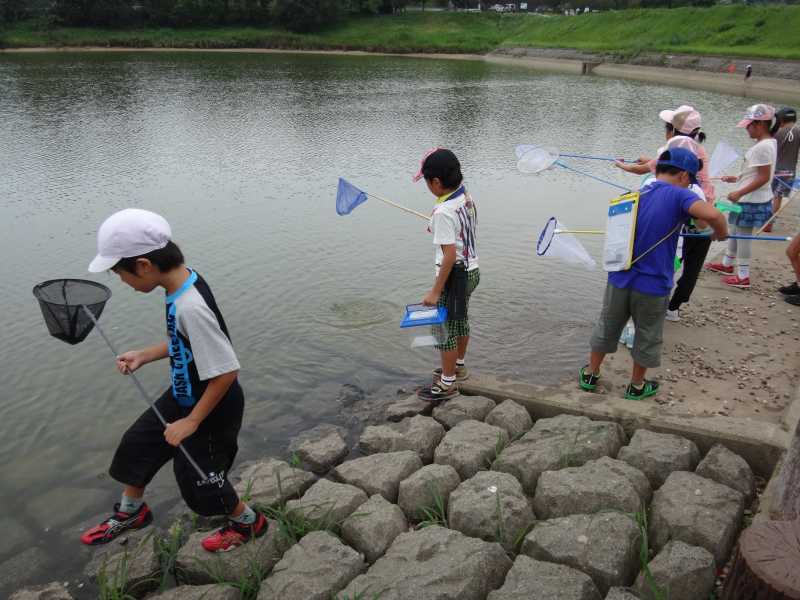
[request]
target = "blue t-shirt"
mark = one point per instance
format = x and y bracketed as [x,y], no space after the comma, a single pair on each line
[662,207]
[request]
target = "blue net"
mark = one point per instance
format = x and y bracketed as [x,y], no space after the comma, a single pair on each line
[348,197]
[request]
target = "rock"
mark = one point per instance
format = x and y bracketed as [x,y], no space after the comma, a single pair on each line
[618,593]
[728,468]
[195,565]
[592,488]
[491,506]
[379,473]
[270,482]
[410,406]
[470,446]
[315,568]
[680,572]
[420,434]
[133,555]
[374,526]
[697,511]
[51,591]
[422,489]
[556,443]
[532,579]
[512,417]
[463,408]
[605,546]
[23,568]
[659,454]
[638,480]
[199,592]
[433,563]
[328,503]
[320,448]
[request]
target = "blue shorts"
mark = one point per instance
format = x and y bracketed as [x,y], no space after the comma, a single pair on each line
[752,215]
[782,185]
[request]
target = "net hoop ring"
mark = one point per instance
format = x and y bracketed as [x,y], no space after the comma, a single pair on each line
[39,288]
[546,236]
[551,154]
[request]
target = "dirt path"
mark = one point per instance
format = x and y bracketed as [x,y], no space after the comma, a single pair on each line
[734,352]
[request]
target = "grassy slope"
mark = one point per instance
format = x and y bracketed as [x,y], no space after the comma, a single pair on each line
[729,30]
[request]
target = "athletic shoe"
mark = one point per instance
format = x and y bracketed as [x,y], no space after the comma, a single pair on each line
[673,315]
[462,374]
[793,300]
[737,282]
[790,290]
[719,268]
[235,534]
[649,388]
[438,392]
[588,381]
[117,524]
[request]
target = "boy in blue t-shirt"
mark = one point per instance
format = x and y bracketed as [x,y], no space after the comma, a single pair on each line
[203,406]
[642,292]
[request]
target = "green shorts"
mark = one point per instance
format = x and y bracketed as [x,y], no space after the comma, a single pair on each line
[648,312]
[449,333]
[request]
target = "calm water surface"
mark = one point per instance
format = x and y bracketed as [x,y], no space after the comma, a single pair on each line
[241,153]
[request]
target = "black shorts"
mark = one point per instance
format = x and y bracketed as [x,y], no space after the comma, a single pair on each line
[143,451]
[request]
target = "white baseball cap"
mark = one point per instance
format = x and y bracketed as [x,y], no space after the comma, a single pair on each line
[684,118]
[127,233]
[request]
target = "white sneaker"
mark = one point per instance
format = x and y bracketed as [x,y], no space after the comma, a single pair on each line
[673,315]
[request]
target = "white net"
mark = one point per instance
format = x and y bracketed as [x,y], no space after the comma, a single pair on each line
[554,243]
[536,160]
[724,156]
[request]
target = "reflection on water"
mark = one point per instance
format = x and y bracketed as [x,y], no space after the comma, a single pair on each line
[242,153]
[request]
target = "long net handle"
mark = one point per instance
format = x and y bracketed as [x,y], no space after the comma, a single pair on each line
[585,174]
[144,394]
[400,206]
[775,214]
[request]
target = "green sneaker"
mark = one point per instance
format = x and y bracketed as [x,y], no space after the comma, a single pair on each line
[588,381]
[649,388]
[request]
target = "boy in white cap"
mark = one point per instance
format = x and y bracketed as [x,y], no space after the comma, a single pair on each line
[753,194]
[203,405]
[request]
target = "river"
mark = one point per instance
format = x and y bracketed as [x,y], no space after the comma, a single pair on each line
[241,153]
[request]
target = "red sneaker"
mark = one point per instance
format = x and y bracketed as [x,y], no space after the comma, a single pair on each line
[235,534]
[735,281]
[117,524]
[719,268]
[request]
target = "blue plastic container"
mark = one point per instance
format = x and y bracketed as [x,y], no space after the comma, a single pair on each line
[425,324]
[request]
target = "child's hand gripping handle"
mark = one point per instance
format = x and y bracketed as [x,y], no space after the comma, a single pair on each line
[138,384]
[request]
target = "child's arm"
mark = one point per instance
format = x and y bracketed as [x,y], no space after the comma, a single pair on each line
[449,259]
[129,361]
[764,172]
[217,387]
[706,212]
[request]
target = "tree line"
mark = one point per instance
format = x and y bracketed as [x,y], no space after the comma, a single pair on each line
[296,15]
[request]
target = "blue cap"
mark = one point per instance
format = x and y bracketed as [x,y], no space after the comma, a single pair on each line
[682,159]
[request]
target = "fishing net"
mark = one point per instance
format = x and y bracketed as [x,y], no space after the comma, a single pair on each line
[62,302]
[555,243]
[348,197]
[536,159]
[724,156]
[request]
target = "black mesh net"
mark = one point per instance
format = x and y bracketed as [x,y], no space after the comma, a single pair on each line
[61,301]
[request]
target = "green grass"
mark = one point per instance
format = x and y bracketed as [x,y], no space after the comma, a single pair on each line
[756,31]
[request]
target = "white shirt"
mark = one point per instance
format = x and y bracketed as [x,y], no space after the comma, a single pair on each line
[762,153]
[455,221]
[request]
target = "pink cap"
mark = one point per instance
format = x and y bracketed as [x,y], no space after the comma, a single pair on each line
[685,119]
[425,156]
[757,112]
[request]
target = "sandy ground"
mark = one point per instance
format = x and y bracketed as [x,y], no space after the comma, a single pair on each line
[762,67]
[734,352]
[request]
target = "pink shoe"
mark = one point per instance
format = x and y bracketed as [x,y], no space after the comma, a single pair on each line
[719,268]
[735,281]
